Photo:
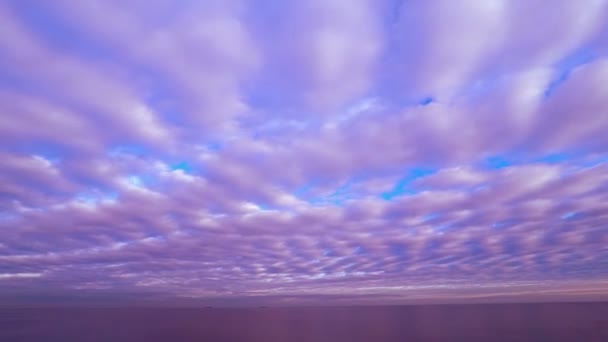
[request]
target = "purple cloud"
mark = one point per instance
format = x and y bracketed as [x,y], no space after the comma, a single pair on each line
[286,152]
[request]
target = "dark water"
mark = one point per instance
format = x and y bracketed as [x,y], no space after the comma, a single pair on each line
[502,322]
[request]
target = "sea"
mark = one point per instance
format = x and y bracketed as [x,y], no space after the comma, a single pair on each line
[572,322]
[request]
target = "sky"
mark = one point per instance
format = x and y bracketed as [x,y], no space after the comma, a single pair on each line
[289,152]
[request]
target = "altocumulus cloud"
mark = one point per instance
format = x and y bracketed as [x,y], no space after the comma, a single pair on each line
[291,152]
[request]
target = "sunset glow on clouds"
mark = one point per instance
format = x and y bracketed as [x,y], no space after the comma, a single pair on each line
[368,150]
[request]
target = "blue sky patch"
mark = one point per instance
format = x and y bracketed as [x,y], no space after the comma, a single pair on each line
[403,187]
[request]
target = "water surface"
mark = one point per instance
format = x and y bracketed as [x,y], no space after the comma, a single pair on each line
[497,322]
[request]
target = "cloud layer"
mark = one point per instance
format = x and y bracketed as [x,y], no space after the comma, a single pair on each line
[232,149]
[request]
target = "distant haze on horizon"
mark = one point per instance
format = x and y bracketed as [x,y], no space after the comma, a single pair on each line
[321,152]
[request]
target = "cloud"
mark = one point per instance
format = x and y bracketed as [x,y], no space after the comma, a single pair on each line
[289,152]
[443,47]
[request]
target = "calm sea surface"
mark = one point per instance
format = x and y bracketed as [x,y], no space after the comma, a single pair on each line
[586,322]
